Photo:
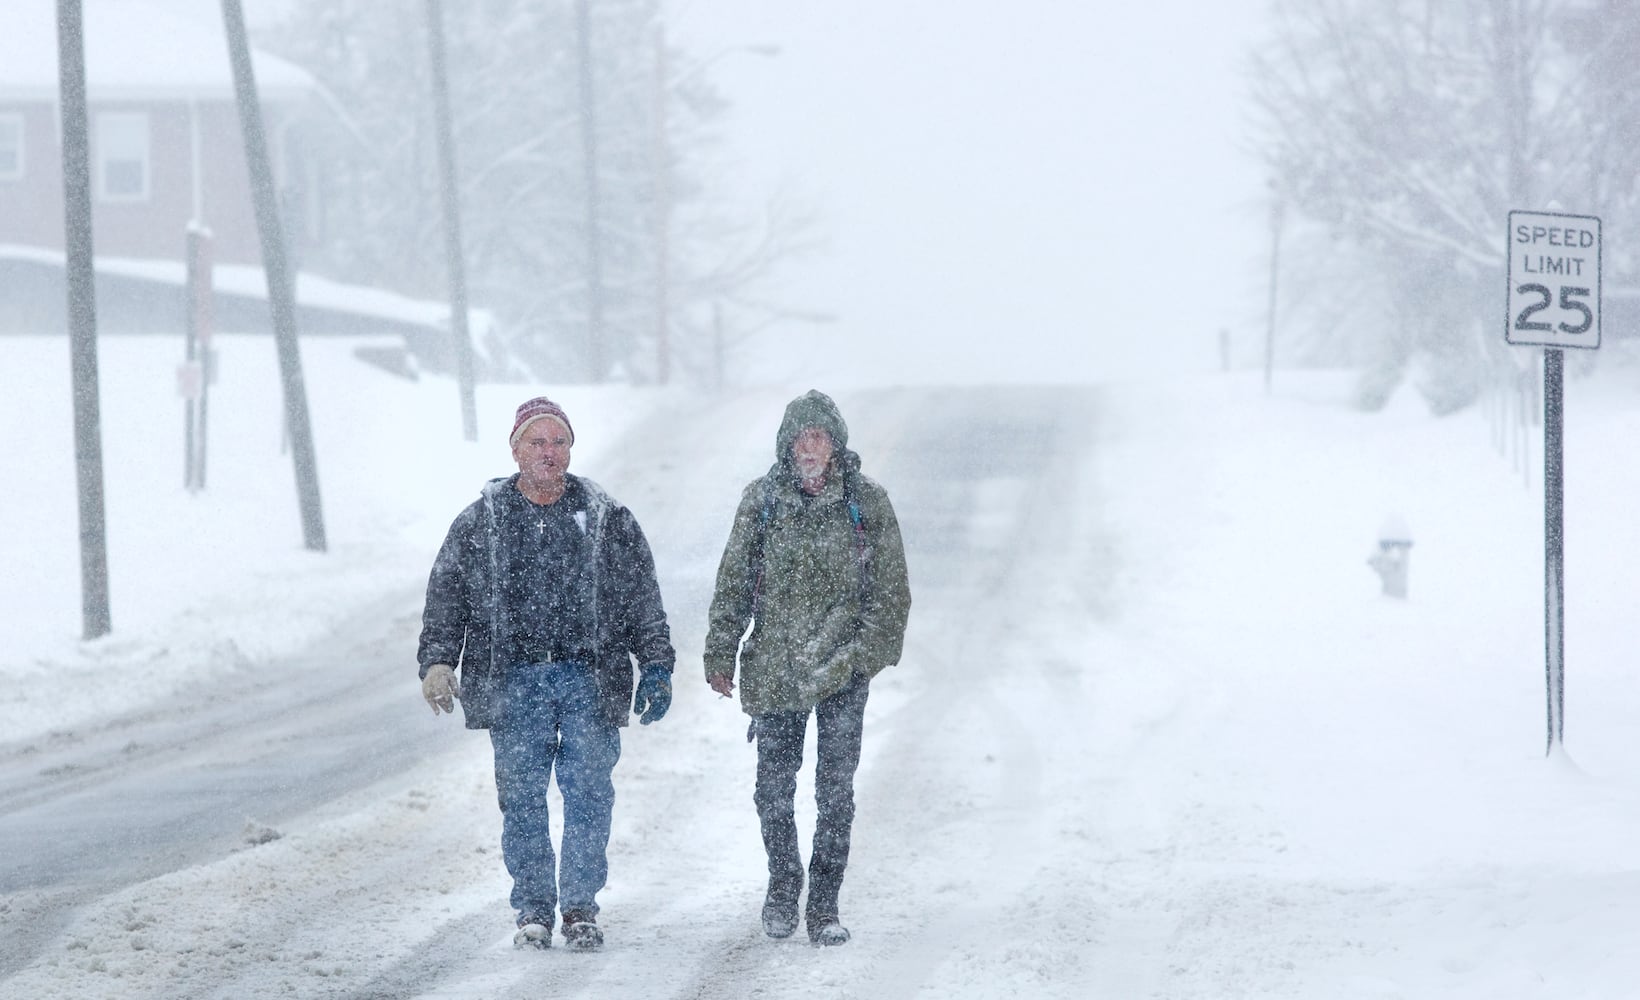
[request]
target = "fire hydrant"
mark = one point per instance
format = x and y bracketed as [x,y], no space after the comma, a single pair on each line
[1394,549]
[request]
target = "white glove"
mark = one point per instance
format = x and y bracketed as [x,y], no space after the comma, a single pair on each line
[439,687]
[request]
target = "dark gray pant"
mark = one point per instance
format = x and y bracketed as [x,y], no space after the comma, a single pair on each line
[839,721]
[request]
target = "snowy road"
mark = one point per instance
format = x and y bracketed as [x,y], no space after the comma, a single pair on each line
[92,810]
[1156,732]
[149,822]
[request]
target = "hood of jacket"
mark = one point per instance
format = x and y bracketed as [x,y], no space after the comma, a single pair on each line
[813,409]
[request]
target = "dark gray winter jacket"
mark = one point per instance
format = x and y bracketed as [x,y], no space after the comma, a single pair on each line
[463,621]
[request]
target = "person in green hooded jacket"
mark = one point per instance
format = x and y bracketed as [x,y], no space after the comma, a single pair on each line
[816,570]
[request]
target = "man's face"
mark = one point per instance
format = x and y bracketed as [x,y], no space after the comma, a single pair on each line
[542,454]
[811,453]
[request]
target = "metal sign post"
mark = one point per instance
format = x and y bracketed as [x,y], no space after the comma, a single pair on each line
[1554,548]
[1553,301]
[198,324]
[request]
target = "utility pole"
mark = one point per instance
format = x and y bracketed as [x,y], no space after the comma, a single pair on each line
[452,219]
[717,345]
[79,277]
[589,150]
[281,287]
[663,216]
[1276,213]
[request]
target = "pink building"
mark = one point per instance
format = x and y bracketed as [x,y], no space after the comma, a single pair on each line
[166,146]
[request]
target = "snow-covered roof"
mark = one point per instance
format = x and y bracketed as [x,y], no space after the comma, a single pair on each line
[133,50]
[249,281]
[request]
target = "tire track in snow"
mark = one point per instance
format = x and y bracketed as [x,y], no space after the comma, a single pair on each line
[963,751]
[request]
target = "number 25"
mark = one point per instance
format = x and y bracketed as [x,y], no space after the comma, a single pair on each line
[1568,303]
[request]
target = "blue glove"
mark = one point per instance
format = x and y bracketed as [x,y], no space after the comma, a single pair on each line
[654,694]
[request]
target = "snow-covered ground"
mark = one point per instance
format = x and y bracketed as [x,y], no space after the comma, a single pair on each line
[1170,742]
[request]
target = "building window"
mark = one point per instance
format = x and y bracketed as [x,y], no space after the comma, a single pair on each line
[11,147]
[122,156]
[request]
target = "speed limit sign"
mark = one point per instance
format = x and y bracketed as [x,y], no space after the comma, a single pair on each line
[1554,280]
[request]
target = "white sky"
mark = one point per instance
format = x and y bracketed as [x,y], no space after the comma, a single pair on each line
[1032,189]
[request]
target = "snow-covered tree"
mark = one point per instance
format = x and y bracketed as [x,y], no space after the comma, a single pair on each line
[1406,130]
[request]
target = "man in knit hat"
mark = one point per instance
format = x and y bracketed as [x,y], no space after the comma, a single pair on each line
[815,565]
[544,597]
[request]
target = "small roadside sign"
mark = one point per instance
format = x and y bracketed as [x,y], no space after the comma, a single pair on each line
[189,380]
[1554,280]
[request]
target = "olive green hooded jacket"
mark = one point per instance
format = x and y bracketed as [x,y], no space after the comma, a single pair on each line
[831,600]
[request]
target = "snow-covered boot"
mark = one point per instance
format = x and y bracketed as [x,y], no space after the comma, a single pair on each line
[821,911]
[581,931]
[780,906]
[824,930]
[533,932]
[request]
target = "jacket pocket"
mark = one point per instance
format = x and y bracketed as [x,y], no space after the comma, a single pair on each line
[478,699]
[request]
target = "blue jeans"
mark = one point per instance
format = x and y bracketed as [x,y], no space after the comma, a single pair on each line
[549,714]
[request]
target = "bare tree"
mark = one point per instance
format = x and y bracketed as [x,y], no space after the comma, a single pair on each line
[1408,129]
[524,118]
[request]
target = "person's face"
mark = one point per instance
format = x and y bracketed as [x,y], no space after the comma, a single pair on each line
[811,453]
[542,454]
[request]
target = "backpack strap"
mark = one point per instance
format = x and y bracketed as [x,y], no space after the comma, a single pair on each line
[754,554]
[859,522]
